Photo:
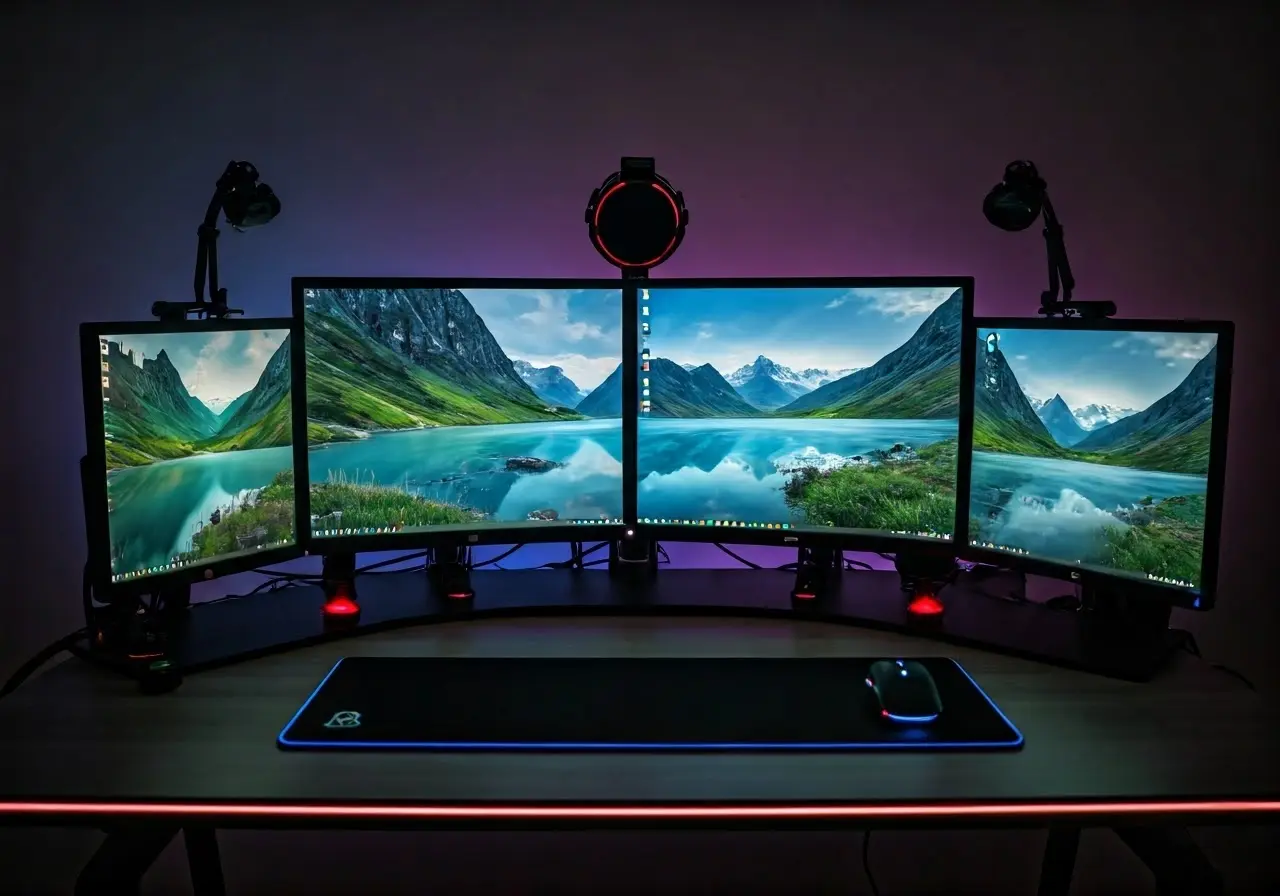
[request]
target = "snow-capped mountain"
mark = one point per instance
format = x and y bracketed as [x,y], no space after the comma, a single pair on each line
[769,385]
[550,384]
[1092,416]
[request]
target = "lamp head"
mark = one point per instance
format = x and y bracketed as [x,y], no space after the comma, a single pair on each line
[1015,202]
[246,201]
[636,219]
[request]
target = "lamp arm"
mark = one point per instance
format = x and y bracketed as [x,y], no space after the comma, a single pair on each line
[207,250]
[1059,266]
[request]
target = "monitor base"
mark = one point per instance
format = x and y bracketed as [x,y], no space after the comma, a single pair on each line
[1133,647]
[449,574]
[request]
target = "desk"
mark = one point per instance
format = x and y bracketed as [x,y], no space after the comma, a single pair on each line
[81,747]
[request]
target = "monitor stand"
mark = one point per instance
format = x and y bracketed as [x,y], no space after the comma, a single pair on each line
[1114,625]
[449,574]
[817,575]
[633,559]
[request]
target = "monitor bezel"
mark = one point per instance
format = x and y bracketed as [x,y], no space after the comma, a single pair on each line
[1206,598]
[844,540]
[95,487]
[485,535]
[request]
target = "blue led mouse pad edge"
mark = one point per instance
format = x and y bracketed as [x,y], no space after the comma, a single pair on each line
[638,705]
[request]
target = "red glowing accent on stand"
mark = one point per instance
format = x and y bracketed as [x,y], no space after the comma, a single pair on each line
[461,595]
[925,605]
[675,211]
[341,605]
[800,595]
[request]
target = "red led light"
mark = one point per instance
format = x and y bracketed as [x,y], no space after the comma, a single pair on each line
[675,213]
[651,811]
[804,596]
[460,595]
[925,606]
[341,606]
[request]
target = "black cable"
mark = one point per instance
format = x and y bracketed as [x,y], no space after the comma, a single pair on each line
[866,863]
[579,559]
[417,555]
[892,557]
[31,666]
[1191,646]
[663,556]
[494,561]
[743,560]
[856,564]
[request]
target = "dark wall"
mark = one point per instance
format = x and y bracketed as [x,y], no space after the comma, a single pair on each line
[810,138]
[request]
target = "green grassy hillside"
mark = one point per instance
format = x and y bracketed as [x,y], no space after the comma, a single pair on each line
[135,442]
[1186,453]
[1169,544]
[374,506]
[356,382]
[272,511]
[896,496]
[274,430]
[1004,436]
[930,395]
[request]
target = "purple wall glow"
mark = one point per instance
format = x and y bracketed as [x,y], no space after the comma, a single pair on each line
[464,139]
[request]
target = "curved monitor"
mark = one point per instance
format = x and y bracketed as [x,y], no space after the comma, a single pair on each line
[191,455]
[801,411]
[1098,451]
[461,411]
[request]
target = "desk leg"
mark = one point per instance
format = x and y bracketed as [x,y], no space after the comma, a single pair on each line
[116,869]
[1179,865]
[204,861]
[1059,862]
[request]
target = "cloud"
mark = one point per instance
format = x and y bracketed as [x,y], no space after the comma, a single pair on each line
[551,316]
[1120,343]
[227,367]
[1170,364]
[704,331]
[902,304]
[1019,357]
[839,300]
[1179,346]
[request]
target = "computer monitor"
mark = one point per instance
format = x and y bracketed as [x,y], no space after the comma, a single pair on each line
[808,412]
[461,411]
[191,456]
[1098,451]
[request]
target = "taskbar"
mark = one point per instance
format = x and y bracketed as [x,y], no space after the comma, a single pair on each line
[469,527]
[1092,567]
[179,562]
[790,527]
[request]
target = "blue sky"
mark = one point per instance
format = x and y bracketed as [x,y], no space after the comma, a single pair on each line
[1128,370]
[216,368]
[579,330]
[798,328]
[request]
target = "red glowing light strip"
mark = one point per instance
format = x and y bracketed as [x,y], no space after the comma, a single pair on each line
[962,810]
[675,211]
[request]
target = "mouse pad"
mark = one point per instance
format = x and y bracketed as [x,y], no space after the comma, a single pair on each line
[370,703]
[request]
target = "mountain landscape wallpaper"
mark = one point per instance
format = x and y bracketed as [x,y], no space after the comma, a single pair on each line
[804,408]
[1110,470]
[439,409]
[198,442]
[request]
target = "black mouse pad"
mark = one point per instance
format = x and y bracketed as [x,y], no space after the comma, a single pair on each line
[369,703]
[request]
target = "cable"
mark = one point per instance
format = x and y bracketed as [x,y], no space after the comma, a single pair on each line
[856,564]
[1191,646]
[743,560]
[663,556]
[866,863]
[494,561]
[417,555]
[580,558]
[31,666]
[892,557]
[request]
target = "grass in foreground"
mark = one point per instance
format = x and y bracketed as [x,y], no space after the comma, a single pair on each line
[1167,540]
[914,496]
[271,511]
[374,506]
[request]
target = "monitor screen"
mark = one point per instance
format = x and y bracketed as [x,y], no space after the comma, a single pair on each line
[459,410]
[197,434]
[828,409]
[1091,447]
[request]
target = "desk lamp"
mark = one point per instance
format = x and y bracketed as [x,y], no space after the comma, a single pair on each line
[247,202]
[1014,204]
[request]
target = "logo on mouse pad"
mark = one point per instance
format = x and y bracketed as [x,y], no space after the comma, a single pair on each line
[344,719]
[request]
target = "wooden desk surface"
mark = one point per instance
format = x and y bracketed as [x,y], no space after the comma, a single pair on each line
[79,735]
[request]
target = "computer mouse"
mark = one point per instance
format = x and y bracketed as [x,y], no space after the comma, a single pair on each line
[905,691]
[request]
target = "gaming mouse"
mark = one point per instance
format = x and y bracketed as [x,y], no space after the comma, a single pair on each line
[905,691]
